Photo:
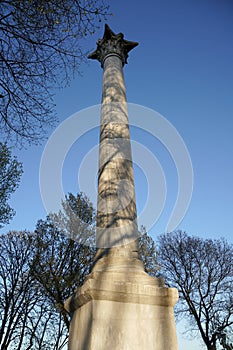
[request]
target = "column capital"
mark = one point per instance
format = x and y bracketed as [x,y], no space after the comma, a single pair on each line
[112,44]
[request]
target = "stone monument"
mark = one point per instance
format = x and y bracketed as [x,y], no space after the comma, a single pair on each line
[119,306]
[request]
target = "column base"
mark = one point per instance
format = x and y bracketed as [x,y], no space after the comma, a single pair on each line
[122,311]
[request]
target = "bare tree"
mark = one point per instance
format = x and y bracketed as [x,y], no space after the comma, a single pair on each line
[27,319]
[202,271]
[41,46]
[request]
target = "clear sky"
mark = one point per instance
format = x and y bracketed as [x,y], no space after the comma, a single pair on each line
[182,69]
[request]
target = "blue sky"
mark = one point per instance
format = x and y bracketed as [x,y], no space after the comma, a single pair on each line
[182,69]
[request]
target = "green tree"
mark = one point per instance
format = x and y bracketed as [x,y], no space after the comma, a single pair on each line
[148,253]
[10,173]
[64,250]
[202,271]
[41,46]
[77,219]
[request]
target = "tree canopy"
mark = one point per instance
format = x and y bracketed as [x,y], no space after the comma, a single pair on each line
[148,253]
[10,173]
[202,271]
[41,46]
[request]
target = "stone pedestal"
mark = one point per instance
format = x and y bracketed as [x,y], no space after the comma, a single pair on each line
[122,311]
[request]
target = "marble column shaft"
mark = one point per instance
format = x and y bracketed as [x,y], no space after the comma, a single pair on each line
[117,216]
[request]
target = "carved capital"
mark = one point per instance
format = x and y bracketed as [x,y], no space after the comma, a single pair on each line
[112,44]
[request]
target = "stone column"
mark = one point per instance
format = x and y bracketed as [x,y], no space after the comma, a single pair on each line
[119,306]
[117,230]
